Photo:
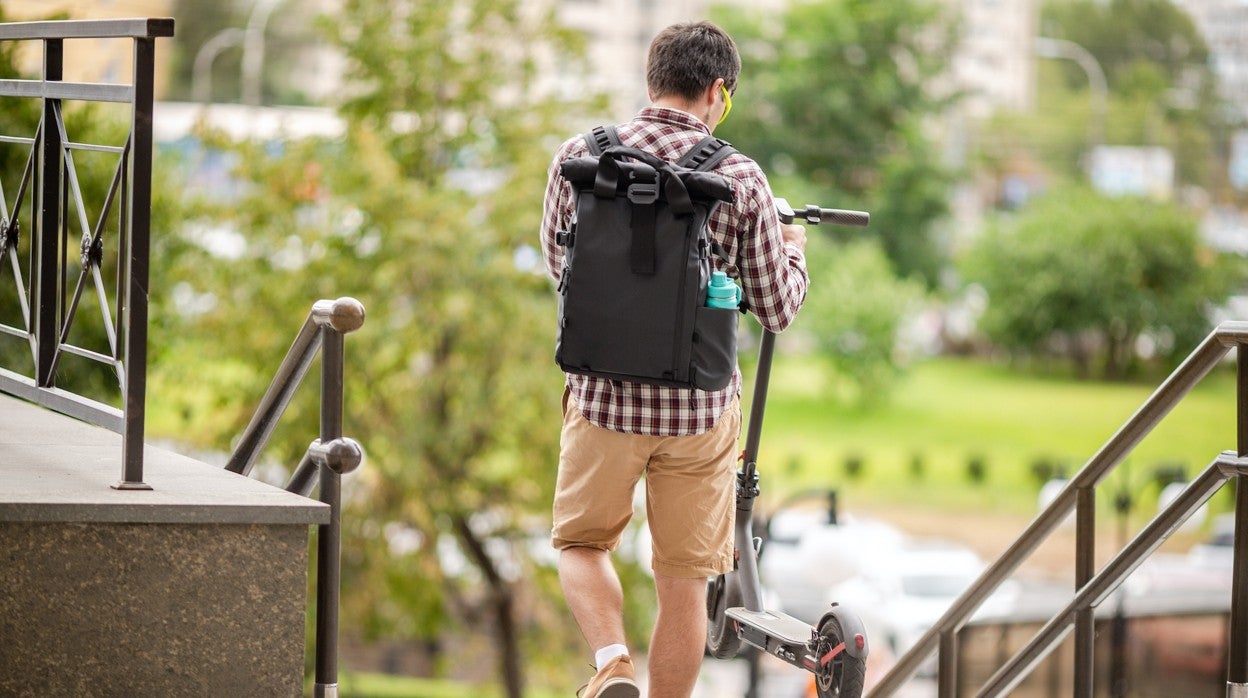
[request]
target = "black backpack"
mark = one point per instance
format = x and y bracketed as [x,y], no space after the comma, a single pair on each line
[637,261]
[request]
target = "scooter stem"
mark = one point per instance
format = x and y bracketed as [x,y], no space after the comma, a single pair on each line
[747,481]
[762,377]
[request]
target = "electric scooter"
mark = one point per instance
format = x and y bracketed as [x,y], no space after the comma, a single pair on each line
[835,651]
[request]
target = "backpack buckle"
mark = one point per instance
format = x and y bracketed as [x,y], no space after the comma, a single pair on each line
[643,193]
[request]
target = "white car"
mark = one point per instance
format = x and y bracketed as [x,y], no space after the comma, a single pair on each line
[898,585]
[901,593]
[805,555]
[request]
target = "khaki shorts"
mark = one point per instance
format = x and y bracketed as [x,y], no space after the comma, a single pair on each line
[690,491]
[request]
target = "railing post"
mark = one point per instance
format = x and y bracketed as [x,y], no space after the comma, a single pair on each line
[329,536]
[328,457]
[1237,646]
[947,665]
[1085,569]
[133,303]
[47,234]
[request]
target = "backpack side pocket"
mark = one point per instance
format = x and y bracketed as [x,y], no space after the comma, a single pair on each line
[714,347]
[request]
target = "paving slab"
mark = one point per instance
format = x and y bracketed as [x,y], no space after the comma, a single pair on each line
[56,468]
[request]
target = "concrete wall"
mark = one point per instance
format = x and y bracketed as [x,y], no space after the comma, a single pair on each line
[197,587]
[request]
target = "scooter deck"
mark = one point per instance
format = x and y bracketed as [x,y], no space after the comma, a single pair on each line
[776,625]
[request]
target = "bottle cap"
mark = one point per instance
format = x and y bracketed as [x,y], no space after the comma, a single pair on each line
[722,292]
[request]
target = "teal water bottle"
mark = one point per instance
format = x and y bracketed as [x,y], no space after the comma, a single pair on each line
[722,292]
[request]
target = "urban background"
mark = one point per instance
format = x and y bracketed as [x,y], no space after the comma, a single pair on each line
[1057,190]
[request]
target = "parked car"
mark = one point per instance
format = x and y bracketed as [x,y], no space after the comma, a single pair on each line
[901,594]
[898,585]
[1218,549]
[808,550]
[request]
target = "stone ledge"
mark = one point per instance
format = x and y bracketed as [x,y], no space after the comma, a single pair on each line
[133,609]
[56,469]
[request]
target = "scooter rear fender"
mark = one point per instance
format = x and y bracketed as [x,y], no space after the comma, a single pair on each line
[852,627]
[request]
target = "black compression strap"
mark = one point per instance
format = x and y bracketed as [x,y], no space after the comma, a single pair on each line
[601,138]
[708,153]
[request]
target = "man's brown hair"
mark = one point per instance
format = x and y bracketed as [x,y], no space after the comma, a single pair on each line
[686,58]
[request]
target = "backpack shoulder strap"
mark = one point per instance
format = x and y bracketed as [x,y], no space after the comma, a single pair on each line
[601,138]
[708,153]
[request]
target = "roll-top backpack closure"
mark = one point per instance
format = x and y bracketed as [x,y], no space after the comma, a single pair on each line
[635,309]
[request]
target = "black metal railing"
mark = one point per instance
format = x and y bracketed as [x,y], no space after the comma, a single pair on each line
[46,193]
[327,458]
[1093,587]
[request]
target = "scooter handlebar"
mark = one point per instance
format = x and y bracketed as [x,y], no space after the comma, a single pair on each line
[814,215]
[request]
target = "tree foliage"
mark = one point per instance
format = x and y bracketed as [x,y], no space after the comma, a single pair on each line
[427,211]
[1126,35]
[1087,277]
[1161,90]
[197,23]
[453,85]
[853,312]
[836,94]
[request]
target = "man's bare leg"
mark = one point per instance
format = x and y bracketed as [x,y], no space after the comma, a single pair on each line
[593,592]
[679,637]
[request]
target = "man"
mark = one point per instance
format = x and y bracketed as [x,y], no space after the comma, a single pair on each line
[684,441]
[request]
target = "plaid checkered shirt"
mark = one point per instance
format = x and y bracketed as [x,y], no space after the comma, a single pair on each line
[772,273]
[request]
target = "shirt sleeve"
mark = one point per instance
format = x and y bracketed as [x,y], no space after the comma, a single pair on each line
[557,210]
[773,273]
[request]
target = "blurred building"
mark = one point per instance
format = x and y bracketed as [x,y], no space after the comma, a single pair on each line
[1224,24]
[619,34]
[993,64]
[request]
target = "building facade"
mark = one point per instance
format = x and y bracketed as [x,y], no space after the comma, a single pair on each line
[1224,24]
[993,64]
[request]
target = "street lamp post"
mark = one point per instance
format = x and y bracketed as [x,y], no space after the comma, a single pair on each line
[201,75]
[252,41]
[1060,48]
[253,50]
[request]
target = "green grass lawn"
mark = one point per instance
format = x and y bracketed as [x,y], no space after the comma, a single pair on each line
[946,412]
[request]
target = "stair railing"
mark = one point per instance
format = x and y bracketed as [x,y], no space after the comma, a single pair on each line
[49,199]
[1092,587]
[330,456]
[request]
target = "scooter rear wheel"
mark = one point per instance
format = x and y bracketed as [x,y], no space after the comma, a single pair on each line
[838,674]
[722,640]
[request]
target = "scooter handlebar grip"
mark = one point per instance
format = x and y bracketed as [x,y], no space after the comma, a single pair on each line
[838,216]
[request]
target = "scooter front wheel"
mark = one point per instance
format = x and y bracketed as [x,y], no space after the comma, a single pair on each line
[838,674]
[722,640]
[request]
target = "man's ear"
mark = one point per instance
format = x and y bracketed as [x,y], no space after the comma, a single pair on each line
[712,93]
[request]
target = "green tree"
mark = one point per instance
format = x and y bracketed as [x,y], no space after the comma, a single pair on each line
[427,211]
[853,311]
[290,37]
[18,117]
[835,94]
[1083,276]
[199,22]
[1161,91]
[459,88]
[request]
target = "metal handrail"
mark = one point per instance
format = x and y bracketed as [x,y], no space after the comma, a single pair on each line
[343,316]
[330,456]
[1079,496]
[1168,520]
[51,180]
